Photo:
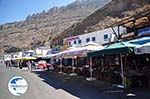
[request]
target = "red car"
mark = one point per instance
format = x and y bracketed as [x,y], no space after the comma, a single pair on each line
[42,64]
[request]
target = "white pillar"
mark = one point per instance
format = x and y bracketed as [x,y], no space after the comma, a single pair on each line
[122,72]
[73,68]
[91,72]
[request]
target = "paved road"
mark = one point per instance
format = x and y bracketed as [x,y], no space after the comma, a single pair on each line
[37,89]
[51,85]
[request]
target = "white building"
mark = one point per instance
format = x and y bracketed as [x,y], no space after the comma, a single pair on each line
[40,52]
[28,53]
[7,57]
[101,37]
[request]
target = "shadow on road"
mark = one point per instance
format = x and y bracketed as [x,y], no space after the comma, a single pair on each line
[79,87]
[72,85]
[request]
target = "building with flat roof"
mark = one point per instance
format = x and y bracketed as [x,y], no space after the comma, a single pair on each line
[101,37]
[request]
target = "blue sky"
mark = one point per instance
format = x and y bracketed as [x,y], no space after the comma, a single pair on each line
[17,10]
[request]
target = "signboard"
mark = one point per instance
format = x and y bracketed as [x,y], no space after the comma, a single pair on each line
[139,51]
[145,31]
[144,49]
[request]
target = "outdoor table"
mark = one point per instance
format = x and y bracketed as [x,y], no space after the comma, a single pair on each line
[69,69]
[78,70]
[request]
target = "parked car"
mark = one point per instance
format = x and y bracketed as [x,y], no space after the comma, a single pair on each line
[42,64]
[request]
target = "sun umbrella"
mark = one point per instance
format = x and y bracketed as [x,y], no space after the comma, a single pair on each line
[26,58]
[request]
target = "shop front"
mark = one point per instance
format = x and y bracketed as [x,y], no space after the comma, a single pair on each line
[114,60]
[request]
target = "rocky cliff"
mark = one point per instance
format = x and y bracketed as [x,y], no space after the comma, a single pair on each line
[38,29]
[114,11]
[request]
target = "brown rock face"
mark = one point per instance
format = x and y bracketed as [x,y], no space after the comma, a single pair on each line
[105,16]
[38,29]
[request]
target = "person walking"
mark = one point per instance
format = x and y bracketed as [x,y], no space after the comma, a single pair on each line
[20,64]
[9,63]
[29,65]
[6,63]
[33,64]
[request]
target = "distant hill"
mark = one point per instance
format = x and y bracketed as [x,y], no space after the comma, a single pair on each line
[112,12]
[38,29]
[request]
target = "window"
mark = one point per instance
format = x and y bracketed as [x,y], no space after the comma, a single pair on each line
[106,37]
[75,42]
[93,38]
[69,43]
[79,41]
[88,40]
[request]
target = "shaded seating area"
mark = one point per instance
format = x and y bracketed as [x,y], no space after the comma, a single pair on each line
[120,65]
[117,63]
[113,61]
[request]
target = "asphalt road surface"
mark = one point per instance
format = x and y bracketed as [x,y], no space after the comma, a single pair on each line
[37,89]
[51,85]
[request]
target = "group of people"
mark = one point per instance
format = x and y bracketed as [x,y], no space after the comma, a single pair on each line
[21,63]
[8,63]
[30,64]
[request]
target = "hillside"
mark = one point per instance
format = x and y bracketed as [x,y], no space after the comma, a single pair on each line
[112,12]
[39,28]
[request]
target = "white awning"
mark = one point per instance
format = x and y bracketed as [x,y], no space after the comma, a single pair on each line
[82,51]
